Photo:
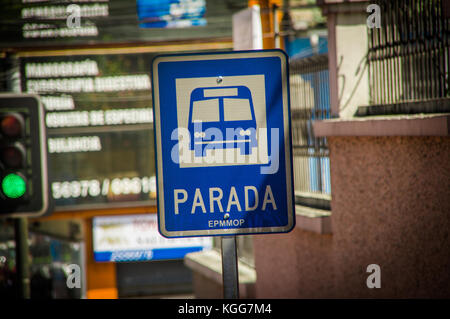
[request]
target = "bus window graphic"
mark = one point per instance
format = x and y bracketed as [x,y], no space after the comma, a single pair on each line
[222,108]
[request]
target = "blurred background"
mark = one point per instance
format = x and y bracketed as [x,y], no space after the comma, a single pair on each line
[369,109]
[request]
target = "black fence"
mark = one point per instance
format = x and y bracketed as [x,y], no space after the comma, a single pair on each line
[309,84]
[409,55]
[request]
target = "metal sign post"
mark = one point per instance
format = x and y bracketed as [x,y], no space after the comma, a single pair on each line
[22,258]
[230,272]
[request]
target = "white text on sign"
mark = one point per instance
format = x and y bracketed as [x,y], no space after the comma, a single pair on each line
[214,197]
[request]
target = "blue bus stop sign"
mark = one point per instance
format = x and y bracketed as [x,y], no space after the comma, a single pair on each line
[223,143]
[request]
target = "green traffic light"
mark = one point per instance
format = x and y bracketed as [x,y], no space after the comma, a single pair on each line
[13,186]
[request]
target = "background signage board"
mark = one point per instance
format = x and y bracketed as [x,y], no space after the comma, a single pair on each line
[136,238]
[99,119]
[223,143]
[44,23]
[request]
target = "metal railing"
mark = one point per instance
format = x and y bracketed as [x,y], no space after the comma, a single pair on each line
[309,87]
[409,55]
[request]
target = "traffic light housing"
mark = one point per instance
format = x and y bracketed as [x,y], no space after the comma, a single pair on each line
[24,190]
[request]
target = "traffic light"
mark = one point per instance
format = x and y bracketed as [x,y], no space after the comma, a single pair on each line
[24,190]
